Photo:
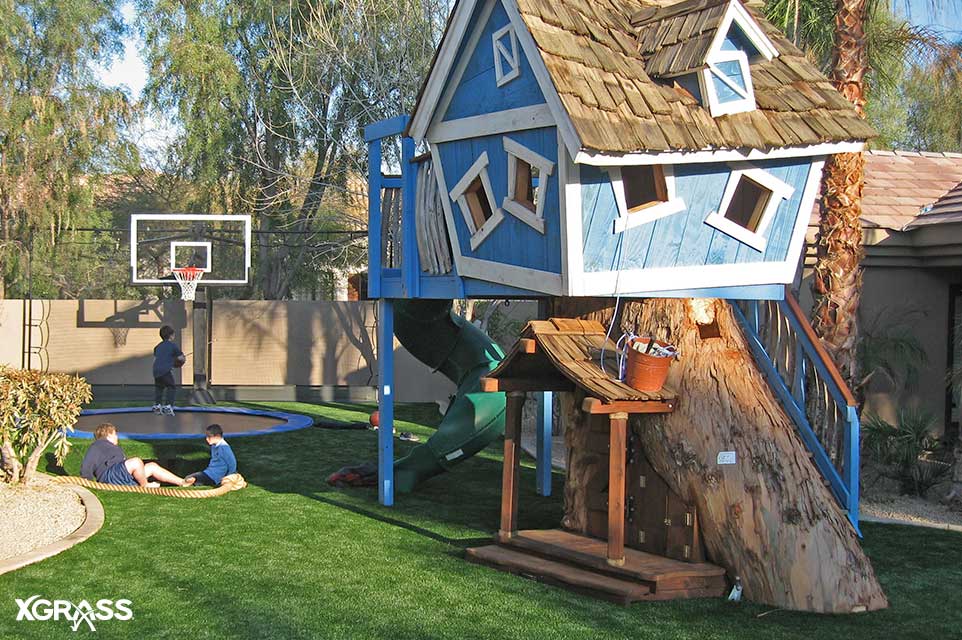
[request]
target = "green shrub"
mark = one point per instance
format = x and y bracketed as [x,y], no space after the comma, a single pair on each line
[907,448]
[37,411]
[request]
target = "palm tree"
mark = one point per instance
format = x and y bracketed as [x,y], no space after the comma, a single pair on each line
[862,47]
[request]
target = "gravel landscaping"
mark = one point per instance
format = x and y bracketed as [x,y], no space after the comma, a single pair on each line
[36,516]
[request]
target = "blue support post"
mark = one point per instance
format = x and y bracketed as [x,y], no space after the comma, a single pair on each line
[385,402]
[852,462]
[544,444]
[374,241]
[411,262]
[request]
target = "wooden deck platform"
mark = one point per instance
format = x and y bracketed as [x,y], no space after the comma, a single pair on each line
[579,563]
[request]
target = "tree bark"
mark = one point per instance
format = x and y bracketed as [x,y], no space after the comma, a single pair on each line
[768,518]
[837,281]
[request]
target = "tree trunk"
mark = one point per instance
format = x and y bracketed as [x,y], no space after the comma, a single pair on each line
[768,518]
[954,496]
[837,281]
[9,464]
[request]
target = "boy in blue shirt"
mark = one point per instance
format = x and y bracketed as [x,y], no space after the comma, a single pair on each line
[222,460]
[167,355]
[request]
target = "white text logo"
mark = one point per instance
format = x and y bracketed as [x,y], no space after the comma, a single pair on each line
[37,608]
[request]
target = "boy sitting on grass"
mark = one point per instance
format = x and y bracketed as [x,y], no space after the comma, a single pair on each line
[222,460]
[105,462]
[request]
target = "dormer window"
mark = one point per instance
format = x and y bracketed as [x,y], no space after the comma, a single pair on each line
[528,174]
[475,197]
[643,193]
[752,196]
[507,64]
[727,83]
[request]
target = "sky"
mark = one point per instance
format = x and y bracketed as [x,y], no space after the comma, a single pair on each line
[130,72]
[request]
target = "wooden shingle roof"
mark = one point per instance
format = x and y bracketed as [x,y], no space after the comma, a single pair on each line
[591,51]
[676,39]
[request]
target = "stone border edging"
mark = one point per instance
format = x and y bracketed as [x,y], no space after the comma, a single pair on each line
[91,525]
[910,523]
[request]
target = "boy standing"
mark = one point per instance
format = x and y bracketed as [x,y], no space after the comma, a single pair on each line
[222,460]
[167,355]
[105,462]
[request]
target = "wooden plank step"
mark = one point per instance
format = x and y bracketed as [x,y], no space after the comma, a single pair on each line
[591,553]
[559,574]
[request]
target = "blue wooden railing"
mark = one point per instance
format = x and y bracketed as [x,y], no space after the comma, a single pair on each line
[809,386]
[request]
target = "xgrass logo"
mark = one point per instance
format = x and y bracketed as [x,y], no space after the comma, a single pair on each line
[36,608]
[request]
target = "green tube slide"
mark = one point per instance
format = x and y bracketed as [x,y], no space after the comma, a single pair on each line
[444,341]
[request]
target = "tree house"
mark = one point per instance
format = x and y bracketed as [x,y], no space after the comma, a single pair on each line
[662,557]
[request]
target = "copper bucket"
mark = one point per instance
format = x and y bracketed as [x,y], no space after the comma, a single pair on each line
[646,372]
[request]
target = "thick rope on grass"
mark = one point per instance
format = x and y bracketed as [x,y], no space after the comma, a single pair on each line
[233,482]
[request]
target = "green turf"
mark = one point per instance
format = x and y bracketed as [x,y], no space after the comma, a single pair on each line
[291,557]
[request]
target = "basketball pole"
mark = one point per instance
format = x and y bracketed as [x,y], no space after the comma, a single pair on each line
[200,394]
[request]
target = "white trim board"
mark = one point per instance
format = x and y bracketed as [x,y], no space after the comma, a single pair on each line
[136,218]
[446,205]
[488,124]
[572,242]
[533,54]
[706,81]
[779,191]
[516,151]
[601,159]
[736,13]
[502,54]
[477,170]
[446,54]
[634,281]
[629,220]
[811,191]
[511,275]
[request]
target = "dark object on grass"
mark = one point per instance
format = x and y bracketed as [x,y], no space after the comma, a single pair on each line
[358,475]
[333,424]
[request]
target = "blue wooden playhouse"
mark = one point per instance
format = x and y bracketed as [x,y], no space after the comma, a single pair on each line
[587,148]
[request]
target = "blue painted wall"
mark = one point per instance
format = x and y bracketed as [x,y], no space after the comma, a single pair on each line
[683,239]
[478,91]
[512,241]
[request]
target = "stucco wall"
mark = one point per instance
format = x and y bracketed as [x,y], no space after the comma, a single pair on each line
[913,300]
[253,343]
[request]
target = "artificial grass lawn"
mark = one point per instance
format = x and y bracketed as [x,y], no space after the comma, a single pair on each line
[291,557]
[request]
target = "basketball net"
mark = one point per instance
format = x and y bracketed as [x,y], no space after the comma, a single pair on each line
[187,278]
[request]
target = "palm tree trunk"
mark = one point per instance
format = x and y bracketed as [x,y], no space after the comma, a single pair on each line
[837,281]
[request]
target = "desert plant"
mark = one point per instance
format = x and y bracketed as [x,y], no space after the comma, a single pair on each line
[37,411]
[907,448]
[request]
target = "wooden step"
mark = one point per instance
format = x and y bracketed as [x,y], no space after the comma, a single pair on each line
[559,574]
[581,580]
[658,572]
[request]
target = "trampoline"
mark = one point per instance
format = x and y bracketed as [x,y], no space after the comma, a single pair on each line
[141,423]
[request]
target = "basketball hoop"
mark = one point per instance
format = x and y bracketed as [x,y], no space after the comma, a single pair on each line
[187,278]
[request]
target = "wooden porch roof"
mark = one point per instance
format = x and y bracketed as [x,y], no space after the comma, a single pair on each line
[562,354]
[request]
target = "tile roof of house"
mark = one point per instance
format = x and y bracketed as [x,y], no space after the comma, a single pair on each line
[900,185]
[907,189]
[592,54]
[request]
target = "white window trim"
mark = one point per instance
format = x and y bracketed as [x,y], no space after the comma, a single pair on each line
[737,14]
[631,219]
[501,53]
[479,168]
[545,167]
[706,80]
[754,239]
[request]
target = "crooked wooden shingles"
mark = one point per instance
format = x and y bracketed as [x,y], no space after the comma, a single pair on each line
[573,347]
[599,63]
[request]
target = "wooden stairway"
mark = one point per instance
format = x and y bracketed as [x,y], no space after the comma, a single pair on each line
[579,563]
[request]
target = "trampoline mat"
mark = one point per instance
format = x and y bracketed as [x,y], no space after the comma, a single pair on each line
[183,422]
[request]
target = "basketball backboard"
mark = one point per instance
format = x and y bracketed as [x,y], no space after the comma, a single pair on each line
[220,245]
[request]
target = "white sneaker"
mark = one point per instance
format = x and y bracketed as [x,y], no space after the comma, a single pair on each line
[167,410]
[153,485]
[157,409]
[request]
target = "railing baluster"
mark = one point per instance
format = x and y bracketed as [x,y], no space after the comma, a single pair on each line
[811,389]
